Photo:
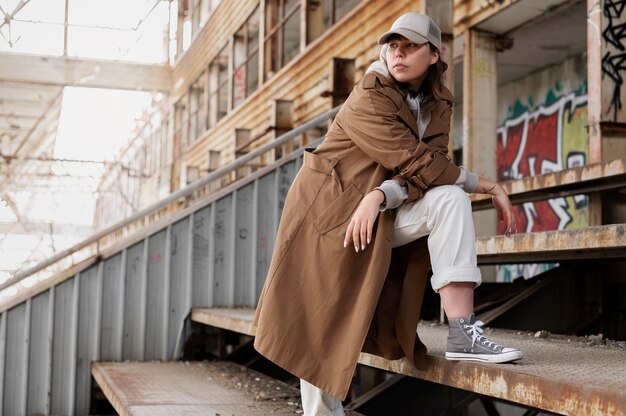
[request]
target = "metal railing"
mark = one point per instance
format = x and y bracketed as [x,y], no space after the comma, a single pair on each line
[188,190]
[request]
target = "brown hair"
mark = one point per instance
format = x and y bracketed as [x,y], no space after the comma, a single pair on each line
[433,86]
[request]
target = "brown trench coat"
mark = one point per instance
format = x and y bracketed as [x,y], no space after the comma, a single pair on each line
[322,303]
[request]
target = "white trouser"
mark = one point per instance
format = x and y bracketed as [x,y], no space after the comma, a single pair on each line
[316,402]
[445,215]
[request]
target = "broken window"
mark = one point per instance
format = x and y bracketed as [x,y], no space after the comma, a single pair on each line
[246,59]
[322,14]
[282,40]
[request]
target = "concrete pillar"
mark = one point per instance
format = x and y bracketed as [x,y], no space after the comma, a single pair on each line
[606,97]
[480,94]
[480,103]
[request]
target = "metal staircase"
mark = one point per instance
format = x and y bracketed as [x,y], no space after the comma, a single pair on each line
[132,300]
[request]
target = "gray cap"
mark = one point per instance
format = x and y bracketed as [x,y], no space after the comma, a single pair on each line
[416,27]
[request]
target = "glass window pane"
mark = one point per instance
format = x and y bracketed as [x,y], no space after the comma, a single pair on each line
[290,4]
[274,48]
[292,38]
[342,7]
[253,31]
[46,11]
[240,52]
[45,39]
[252,74]
[239,85]
[135,35]
[223,101]
[222,61]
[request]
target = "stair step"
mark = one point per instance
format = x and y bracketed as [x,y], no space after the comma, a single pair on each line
[579,180]
[604,241]
[193,388]
[559,373]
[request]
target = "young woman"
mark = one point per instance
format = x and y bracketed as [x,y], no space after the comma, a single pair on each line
[373,208]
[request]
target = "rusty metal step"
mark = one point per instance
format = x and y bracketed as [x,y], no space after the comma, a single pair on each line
[193,388]
[559,374]
[600,242]
[580,180]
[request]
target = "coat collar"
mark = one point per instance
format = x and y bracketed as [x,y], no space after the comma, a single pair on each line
[435,127]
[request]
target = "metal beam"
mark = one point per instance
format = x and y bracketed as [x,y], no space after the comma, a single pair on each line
[66,71]
[37,228]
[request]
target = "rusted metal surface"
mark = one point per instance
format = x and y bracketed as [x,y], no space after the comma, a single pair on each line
[558,374]
[605,241]
[196,388]
[580,180]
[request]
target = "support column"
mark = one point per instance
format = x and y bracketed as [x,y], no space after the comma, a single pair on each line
[480,103]
[606,43]
[480,93]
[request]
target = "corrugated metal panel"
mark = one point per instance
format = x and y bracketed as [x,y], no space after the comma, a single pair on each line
[89,294]
[39,353]
[244,246]
[200,260]
[266,207]
[17,324]
[111,320]
[223,254]
[134,311]
[155,308]
[180,285]
[62,339]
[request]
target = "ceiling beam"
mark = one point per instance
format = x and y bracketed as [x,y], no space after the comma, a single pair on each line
[38,228]
[76,72]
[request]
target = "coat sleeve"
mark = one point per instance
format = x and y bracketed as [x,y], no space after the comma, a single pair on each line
[373,124]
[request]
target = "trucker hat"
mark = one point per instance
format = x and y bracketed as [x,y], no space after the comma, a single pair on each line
[416,27]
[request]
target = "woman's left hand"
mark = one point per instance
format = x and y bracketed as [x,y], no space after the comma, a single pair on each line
[504,209]
[362,222]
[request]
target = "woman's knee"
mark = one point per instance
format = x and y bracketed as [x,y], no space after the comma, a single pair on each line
[451,197]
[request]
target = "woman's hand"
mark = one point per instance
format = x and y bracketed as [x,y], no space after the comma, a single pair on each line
[501,202]
[362,222]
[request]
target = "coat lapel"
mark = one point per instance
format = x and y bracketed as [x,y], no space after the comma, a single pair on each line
[406,116]
[436,125]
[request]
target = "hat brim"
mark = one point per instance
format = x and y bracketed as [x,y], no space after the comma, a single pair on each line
[409,34]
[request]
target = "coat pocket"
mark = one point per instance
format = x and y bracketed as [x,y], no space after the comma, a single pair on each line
[339,211]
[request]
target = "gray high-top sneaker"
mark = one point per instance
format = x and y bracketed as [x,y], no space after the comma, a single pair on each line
[467,342]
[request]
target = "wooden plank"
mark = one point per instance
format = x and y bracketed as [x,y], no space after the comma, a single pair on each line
[560,373]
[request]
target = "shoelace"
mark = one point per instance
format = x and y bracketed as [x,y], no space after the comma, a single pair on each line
[477,335]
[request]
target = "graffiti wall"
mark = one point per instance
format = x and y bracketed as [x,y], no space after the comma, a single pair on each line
[541,129]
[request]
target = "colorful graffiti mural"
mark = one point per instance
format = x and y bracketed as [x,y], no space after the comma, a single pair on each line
[537,139]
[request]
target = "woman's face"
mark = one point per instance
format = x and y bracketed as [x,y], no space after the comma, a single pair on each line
[408,61]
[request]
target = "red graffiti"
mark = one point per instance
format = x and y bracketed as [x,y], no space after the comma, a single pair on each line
[531,145]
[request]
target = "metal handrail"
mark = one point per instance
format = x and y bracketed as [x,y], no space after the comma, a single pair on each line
[218,173]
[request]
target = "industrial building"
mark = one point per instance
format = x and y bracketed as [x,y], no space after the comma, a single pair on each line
[146,308]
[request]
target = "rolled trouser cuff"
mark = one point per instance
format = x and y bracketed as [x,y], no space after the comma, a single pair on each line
[455,274]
